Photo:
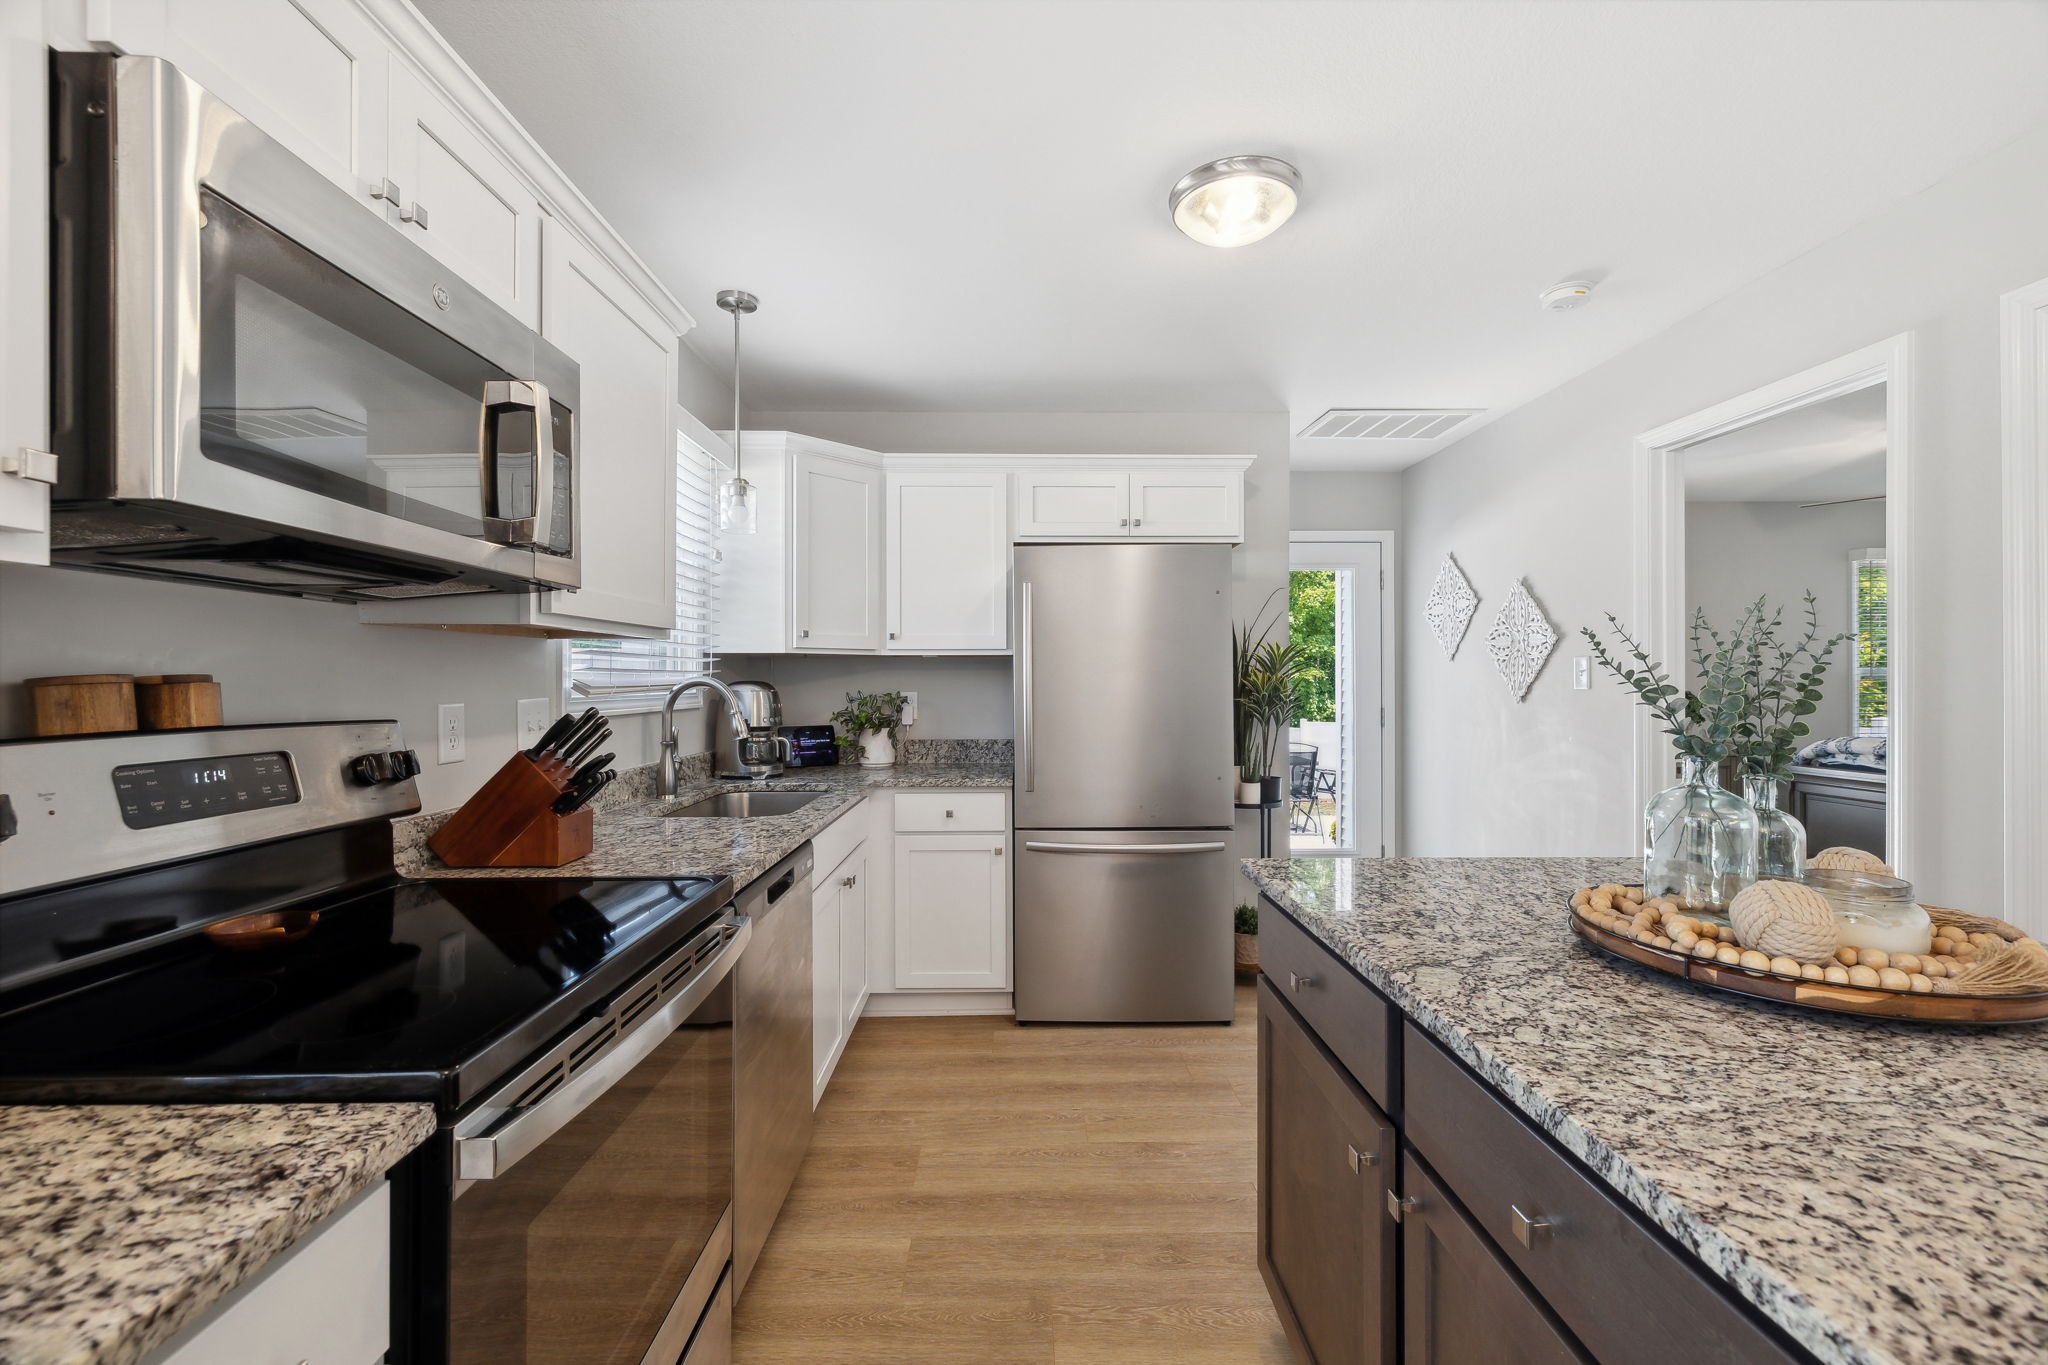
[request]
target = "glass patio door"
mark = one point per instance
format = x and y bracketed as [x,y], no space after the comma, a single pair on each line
[1336,746]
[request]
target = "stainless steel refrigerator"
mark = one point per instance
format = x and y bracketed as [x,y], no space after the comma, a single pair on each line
[1123,784]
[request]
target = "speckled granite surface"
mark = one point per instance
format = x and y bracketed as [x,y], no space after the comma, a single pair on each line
[120,1224]
[1001,751]
[1879,1190]
[635,840]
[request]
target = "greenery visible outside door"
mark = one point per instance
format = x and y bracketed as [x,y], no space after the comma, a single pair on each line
[1314,602]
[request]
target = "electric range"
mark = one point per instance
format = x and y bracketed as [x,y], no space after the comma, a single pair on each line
[574,1034]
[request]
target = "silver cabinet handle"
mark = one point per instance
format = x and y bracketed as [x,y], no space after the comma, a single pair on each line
[1529,1230]
[416,215]
[491,1154]
[803,635]
[1397,1206]
[1027,751]
[892,634]
[1297,982]
[1034,846]
[1125,522]
[846,882]
[997,850]
[1360,1159]
[1136,522]
[36,466]
[386,190]
[949,815]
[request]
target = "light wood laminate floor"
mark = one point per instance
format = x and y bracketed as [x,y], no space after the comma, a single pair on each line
[984,1194]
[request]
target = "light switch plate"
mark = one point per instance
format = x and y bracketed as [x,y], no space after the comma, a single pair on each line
[452,745]
[533,720]
[1582,673]
[910,708]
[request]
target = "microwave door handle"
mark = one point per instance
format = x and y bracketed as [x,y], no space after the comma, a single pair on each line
[490,1155]
[518,395]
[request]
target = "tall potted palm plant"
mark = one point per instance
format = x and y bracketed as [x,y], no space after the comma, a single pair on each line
[1267,676]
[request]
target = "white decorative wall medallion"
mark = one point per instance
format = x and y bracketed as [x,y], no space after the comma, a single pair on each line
[1521,639]
[1450,606]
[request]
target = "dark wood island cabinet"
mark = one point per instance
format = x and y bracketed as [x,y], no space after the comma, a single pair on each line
[1408,1213]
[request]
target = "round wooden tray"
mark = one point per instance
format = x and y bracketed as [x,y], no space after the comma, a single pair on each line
[1869,1002]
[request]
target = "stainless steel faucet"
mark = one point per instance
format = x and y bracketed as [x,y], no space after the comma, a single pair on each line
[668,772]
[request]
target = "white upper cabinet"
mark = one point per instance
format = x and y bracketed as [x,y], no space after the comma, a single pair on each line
[949,559]
[1178,498]
[625,438]
[836,553]
[460,200]
[1186,504]
[1073,503]
[311,73]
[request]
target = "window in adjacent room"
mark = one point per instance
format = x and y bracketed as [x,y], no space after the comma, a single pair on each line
[1869,595]
[636,675]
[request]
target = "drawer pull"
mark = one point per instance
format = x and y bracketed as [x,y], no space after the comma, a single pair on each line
[949,815]
[1397,1205]
[1359,1159]
[1527,1229]
[1297,982]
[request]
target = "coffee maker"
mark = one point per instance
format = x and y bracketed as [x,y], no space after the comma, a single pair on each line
[765,750]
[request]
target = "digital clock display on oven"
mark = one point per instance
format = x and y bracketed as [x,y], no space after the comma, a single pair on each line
[153,794]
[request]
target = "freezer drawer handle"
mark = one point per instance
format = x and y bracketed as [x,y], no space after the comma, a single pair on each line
[1034,846]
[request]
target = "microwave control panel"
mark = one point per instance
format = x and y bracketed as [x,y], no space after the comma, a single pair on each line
[153,794]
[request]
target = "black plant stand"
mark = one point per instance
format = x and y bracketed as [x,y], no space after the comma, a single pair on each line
[1265,810]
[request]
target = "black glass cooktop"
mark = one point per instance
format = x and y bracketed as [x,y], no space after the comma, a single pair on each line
[417,990]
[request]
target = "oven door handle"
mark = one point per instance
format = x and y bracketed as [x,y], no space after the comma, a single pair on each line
[535,532]
[490,1155]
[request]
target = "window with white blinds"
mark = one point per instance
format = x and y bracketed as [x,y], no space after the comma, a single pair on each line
[625,674]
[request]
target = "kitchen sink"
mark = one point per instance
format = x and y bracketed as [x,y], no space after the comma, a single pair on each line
[741,805]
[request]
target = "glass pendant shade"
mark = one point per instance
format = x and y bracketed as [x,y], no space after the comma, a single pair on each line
[739,506]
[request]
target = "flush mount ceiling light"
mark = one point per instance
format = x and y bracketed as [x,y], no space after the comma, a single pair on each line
[1235,201]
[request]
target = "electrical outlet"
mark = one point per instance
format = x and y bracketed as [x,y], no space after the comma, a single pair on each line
[1582,673]
[533,721]
[910,708]
[453,745]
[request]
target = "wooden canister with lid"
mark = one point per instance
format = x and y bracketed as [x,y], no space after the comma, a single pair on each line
[83,703]
[177,701]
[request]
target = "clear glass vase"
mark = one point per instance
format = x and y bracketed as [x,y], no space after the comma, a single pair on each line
[1699,842]
[1780,839]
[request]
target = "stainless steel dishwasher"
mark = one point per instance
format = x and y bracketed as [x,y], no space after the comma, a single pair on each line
[771,1054]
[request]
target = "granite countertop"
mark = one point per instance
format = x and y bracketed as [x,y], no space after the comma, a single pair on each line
[121,1224]
[634,839]
[1876,1189]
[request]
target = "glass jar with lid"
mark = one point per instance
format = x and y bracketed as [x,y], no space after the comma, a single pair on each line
[1874,911]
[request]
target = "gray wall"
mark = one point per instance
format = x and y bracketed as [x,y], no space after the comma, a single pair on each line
[1545,492]
[1738,551]
[282,659]
[1324,500]
[957,698]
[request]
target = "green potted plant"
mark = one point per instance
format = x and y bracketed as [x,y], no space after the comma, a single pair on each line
[1266,680]
[866,726]
[1785,687]
[1245,920]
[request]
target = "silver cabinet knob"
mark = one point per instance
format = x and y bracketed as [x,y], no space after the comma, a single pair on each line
[1296,981]
[892,634]
[949,815]
[1397,1206]
[1528,1230]
[387,191]
[846,882]
[1137,522]
[998,850]
[416,215]
[1125,522]
[1361,1159]
[803,635]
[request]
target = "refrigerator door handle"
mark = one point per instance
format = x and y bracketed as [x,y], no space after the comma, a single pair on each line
[1035,846]
[1027,756]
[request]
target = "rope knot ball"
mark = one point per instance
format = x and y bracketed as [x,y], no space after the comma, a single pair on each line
[1845,859]
[1784,919]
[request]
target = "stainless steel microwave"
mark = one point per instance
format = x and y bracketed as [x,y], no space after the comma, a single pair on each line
[257,382]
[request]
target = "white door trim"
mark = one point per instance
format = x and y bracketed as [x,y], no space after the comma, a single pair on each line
[1658,609]
[2023,328]
[1390,631]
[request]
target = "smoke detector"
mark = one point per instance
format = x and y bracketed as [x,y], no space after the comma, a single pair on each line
[1565,295]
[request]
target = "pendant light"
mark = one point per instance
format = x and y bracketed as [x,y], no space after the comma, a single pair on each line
[738,502]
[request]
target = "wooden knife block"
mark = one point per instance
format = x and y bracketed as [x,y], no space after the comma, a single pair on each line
[511,822]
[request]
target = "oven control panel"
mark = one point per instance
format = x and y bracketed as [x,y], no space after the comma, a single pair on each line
[153,794]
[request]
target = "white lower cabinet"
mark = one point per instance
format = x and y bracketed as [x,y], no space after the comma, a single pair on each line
[327,1297]
[952,912]
[839,944]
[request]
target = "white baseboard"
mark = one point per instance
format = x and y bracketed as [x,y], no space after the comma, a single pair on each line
[908,1004]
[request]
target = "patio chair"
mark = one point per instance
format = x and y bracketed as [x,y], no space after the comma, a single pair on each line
[1301,787]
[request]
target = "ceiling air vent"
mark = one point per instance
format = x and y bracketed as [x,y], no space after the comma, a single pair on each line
[1388,424]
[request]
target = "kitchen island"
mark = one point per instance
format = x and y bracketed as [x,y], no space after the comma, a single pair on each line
[1874,1191]
[122,1224]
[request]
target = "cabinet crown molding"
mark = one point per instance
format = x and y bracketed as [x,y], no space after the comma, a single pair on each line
[923,459]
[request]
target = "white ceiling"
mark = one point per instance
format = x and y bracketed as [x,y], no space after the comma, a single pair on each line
[1818,453]
[962,206]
